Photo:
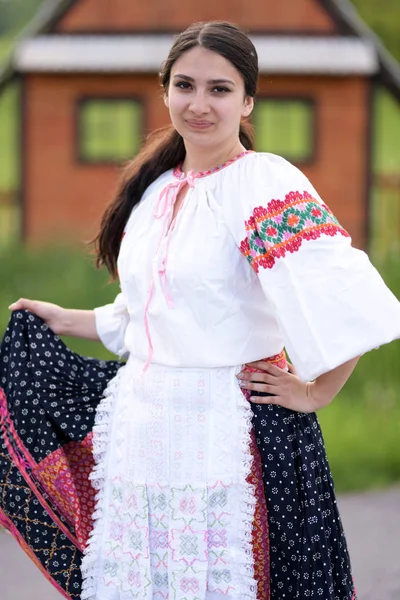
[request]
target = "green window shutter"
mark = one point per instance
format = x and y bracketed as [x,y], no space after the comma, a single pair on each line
[109,129]
[285,127]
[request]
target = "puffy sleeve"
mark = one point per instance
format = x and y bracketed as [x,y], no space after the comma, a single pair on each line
[111,323]
[331,304]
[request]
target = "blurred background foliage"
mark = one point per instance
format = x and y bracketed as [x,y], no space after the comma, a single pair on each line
[15,14]
[362,426]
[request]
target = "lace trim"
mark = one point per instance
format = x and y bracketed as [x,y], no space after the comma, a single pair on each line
[101,445]
[247,499]
[247,584]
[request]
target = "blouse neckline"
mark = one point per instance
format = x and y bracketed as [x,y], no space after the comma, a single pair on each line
[197,174]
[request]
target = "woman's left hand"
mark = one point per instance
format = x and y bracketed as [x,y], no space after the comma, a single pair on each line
[287,388]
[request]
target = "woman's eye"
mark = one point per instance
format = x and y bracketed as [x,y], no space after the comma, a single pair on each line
[183,85]
[220,89]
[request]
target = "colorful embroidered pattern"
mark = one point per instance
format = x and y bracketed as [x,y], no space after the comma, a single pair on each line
[282,226]
[64,474]
[48,397]
[22,513]
[279,360]
[260,534]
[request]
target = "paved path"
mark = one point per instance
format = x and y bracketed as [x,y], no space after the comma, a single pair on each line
[372,524]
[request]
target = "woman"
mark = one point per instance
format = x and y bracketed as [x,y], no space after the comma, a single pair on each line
[211,474]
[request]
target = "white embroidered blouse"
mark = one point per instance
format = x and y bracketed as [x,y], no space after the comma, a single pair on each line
[254,262]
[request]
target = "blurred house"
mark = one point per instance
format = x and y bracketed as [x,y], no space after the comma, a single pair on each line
[90,93]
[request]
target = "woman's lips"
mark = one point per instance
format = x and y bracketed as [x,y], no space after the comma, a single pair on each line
[199,124]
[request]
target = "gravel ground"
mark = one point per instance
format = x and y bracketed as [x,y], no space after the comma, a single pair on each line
[371,521]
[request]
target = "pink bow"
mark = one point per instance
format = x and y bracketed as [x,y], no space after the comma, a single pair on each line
[164,208]
[170,193]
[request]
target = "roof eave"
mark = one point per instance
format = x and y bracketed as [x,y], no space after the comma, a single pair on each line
[140,53]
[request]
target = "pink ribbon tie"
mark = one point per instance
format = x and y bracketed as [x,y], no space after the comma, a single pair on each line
[164,208]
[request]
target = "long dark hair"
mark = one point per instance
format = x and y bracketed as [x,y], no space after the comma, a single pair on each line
[164,149]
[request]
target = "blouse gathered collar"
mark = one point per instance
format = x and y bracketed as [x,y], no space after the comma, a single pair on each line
[179,174]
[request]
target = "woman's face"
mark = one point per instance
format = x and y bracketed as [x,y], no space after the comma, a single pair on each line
[206,98]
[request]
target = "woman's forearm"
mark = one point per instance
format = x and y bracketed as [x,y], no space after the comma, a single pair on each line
[328,385]
[79,323]
[63,321]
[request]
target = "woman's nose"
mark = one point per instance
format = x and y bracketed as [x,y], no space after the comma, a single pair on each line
[199,104]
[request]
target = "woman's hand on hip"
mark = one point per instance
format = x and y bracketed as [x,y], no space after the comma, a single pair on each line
[287,388]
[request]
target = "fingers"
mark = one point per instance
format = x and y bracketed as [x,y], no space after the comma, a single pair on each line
[267,400]
[267,367]
[257,377]
[18,305]
[22,304]
[259,387]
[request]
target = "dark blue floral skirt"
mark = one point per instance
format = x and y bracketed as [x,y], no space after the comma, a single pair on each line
[48,400]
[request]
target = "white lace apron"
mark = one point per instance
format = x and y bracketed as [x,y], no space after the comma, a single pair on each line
[174,510]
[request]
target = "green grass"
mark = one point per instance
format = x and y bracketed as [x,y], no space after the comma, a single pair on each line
[60,275]
[362,434]
[385,222]
[9,219]
[362,425]
[9,160]
[6,44]
[386,133]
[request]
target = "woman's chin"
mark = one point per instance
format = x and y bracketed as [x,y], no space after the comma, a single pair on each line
[201,139]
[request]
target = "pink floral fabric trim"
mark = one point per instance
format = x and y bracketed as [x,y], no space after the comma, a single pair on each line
[24,462]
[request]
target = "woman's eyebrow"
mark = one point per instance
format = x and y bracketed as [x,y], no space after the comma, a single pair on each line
[212,81]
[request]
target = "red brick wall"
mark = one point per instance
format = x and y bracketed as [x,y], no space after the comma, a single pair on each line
[63,197]
[136,15]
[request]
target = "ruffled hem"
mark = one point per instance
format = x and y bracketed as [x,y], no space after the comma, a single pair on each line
[247,499]
[247,586]
[101,445]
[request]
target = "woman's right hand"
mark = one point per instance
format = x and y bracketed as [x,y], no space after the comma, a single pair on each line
[52,314]
[63,321]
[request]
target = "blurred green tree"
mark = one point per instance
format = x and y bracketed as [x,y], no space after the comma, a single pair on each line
[14,14]
[384,18]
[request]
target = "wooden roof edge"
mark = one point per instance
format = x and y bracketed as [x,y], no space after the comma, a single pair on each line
[350,22]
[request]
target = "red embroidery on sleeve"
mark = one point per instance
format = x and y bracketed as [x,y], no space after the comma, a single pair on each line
[283,226]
